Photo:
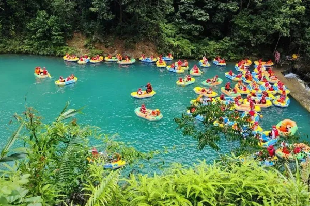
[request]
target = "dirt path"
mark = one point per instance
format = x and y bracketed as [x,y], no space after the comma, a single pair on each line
[298,91]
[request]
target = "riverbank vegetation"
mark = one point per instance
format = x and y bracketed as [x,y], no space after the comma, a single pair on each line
[188,29]
[55,166]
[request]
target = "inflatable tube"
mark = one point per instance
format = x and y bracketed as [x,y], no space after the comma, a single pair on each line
[263,88]
[161,65]
[268,103]
[286,103]
[97,60]
[233,77]
[178,71]
[185,83]
[115,165]
[287,127]
[42,76]
[197,90]
[196,74]
[166,58]
[246,108]
[266,141]
[202,64]
[148,115]
[241,91]
[143,95]
[84,61]
[113,59]
[229,93]
[217,63]
[124,62]
[71,60]
[245,80]
[290,156]
[218,82]
[66,82]
[148,60]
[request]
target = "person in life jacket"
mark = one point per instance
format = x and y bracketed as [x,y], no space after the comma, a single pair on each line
[252,105]
[282,97]
[61,79]
[263,100]
[139,92]
[227,86]
[149,88]
[172,66]
[195,69]
[185,64]
[271,150]
[37,70]
[127,59]
[296,150]
[44,71]
[222,97]
[143,109]
[230,73]
[109,56]
[234,91]
[180,79]
[255,126]
[179,63]
[274,133]
[237,101]
[204,59]
[209,91]
[188,78]
[239,76]
[214,79]
[170,55]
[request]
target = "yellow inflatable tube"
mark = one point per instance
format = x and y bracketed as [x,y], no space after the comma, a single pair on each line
[198,90]
[143,95]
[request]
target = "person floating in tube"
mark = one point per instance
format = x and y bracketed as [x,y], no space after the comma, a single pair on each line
[149,88]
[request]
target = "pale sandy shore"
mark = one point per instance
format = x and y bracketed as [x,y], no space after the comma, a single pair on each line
[298,90]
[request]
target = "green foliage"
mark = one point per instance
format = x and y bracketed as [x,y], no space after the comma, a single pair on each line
[233,184]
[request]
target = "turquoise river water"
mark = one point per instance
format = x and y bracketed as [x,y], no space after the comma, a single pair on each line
[104,90]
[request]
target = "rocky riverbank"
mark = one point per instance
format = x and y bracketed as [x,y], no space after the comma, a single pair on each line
[297,88]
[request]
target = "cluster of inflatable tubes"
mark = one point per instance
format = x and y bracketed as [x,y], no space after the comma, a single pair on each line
[287,127]
[232,77]
[42,76]
[112,59]
[265,64]
[286,103]
[148,115]
[143,95]
[166,58]
[185,82]
[66,82]
[71,59]
[203,64]
[290,156]
[175,70]
[218,64]
[209,83]
[246,108]
[83,61]
[125,62]
[227,100]
[230,93]
[259,96]
[198,90]
[163,64]
[195,74]
[257,100]
[115,165]
[148,60]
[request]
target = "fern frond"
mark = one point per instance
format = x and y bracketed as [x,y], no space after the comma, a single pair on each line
[104,192]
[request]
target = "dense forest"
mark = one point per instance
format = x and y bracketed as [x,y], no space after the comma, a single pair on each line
[187,28]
